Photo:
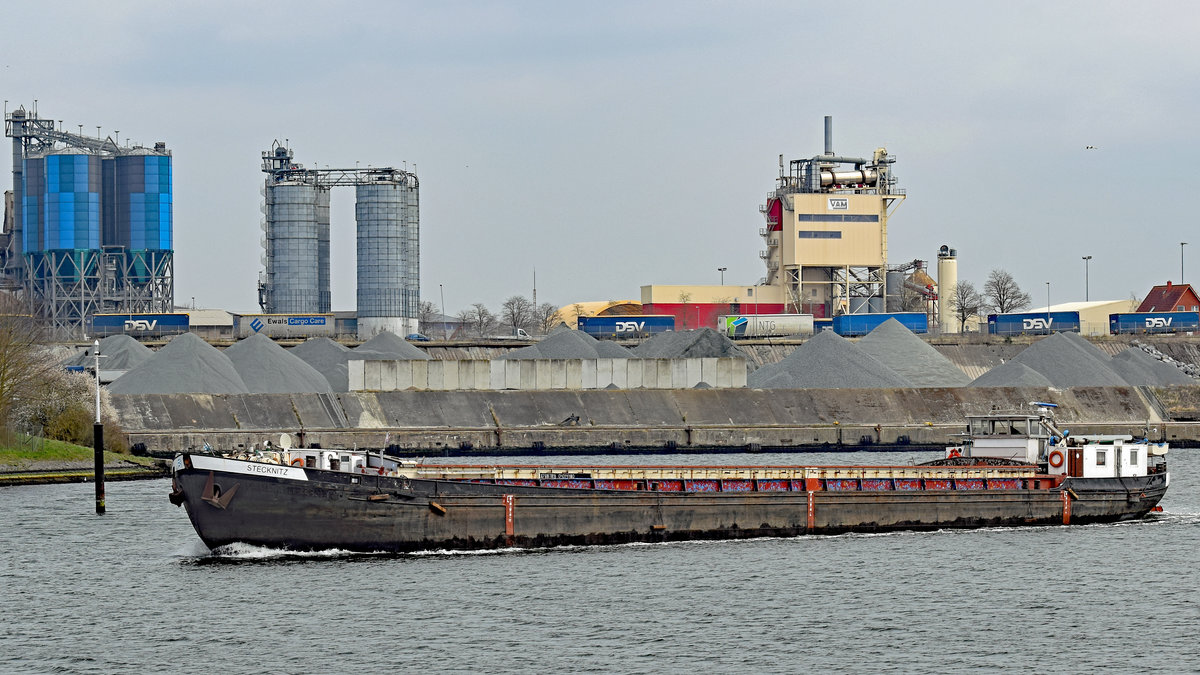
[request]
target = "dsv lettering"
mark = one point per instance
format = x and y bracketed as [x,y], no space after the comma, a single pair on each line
[630,326]
[1037,324]
[1158,321]
[140,324]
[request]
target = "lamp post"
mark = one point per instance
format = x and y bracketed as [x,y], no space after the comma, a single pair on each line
[1181,245]
[1047,308]
[722,271]
[1086,259]
[442,295]
[98,438]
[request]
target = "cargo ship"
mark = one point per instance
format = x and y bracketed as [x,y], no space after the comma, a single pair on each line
[1006,470]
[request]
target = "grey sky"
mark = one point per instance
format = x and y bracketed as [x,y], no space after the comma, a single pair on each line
[616,144]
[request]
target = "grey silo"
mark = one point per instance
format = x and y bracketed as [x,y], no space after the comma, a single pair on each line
[386,212]
[326,299]
[293,250]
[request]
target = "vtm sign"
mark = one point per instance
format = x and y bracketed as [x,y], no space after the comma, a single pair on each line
[839,203]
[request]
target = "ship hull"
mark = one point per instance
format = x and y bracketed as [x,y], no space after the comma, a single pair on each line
[366,512]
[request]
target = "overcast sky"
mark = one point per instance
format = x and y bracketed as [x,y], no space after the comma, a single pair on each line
[612,145]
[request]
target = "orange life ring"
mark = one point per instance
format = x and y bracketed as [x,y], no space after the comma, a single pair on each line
[955,452]
[1056,458]
[299,461]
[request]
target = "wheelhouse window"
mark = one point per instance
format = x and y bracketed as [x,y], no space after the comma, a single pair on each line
[1101,457]
[1133,457]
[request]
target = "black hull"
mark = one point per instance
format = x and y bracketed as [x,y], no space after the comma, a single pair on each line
[333,510]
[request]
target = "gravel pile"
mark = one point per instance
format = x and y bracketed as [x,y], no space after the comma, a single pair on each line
[387,346]
[267,368]
[1011,374]
[186,365]
[328,358]
[1141,367]
[686,344]
[570,344]
[826,361]
[1069,360]
[911,357]
[117,352]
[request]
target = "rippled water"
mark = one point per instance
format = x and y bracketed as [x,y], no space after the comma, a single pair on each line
[136,591]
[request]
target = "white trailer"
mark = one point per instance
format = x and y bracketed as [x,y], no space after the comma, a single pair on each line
[764,325]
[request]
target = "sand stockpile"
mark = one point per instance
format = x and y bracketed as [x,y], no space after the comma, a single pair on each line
[911,357]
[685,344]
[570,344]
[1069,360]
[186,365]
[827,361]
[328,358]
[267,368]
[387,346]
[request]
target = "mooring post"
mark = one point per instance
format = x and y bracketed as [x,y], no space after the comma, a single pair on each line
[98,439]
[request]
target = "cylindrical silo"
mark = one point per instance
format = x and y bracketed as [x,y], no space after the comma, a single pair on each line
[142,188]
[71,212]
[326,299]
[385,212]
[947,280]
[32,198]
[293,251]
[895,291]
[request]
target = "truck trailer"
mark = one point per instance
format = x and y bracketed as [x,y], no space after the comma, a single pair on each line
[764,325]
[626,326]
[1033,323]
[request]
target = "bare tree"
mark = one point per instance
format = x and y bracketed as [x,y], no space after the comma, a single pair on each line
[518,311]
[481,320]
[965,301]
[22,366]
[1003,294]
[548,317]
[427,316]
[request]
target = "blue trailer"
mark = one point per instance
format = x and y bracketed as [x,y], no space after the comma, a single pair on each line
[854,325]
[1153,322]
[140,325]
[626,326]
[1033,323]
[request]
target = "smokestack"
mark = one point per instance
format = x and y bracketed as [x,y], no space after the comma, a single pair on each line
[829,134]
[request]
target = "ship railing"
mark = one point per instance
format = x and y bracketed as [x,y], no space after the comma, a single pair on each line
[534,472]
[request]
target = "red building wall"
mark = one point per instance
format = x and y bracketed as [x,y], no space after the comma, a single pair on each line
[704,314]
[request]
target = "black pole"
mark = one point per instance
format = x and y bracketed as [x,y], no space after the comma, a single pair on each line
[98,443]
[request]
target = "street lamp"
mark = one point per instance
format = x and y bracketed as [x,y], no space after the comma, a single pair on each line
[722,271]
[442,294]
[1181,245]
[1086,260]
[1047,308]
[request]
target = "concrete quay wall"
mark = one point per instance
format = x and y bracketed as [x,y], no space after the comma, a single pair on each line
[616,420]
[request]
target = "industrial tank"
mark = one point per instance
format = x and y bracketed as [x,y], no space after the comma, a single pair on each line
[71,211]
[388,271]
[293,260]
[947,280]
[326,299]
[143,224]
[32,199]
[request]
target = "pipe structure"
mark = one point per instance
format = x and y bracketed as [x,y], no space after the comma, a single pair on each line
[829,134]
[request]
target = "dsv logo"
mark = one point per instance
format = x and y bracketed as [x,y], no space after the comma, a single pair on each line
[1159,321]
[1037,323]
[630,326]
[140,324]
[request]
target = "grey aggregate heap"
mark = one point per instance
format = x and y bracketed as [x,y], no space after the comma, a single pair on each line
[118,352]
[387,346]
[686,344]
[1011,374]
[826,361]
[1140,367]
[911,357]
[570,344]
[267,368]
[1069,360]
[328,358]
[186,365]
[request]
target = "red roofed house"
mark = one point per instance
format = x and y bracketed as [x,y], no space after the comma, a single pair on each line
[1170,298]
